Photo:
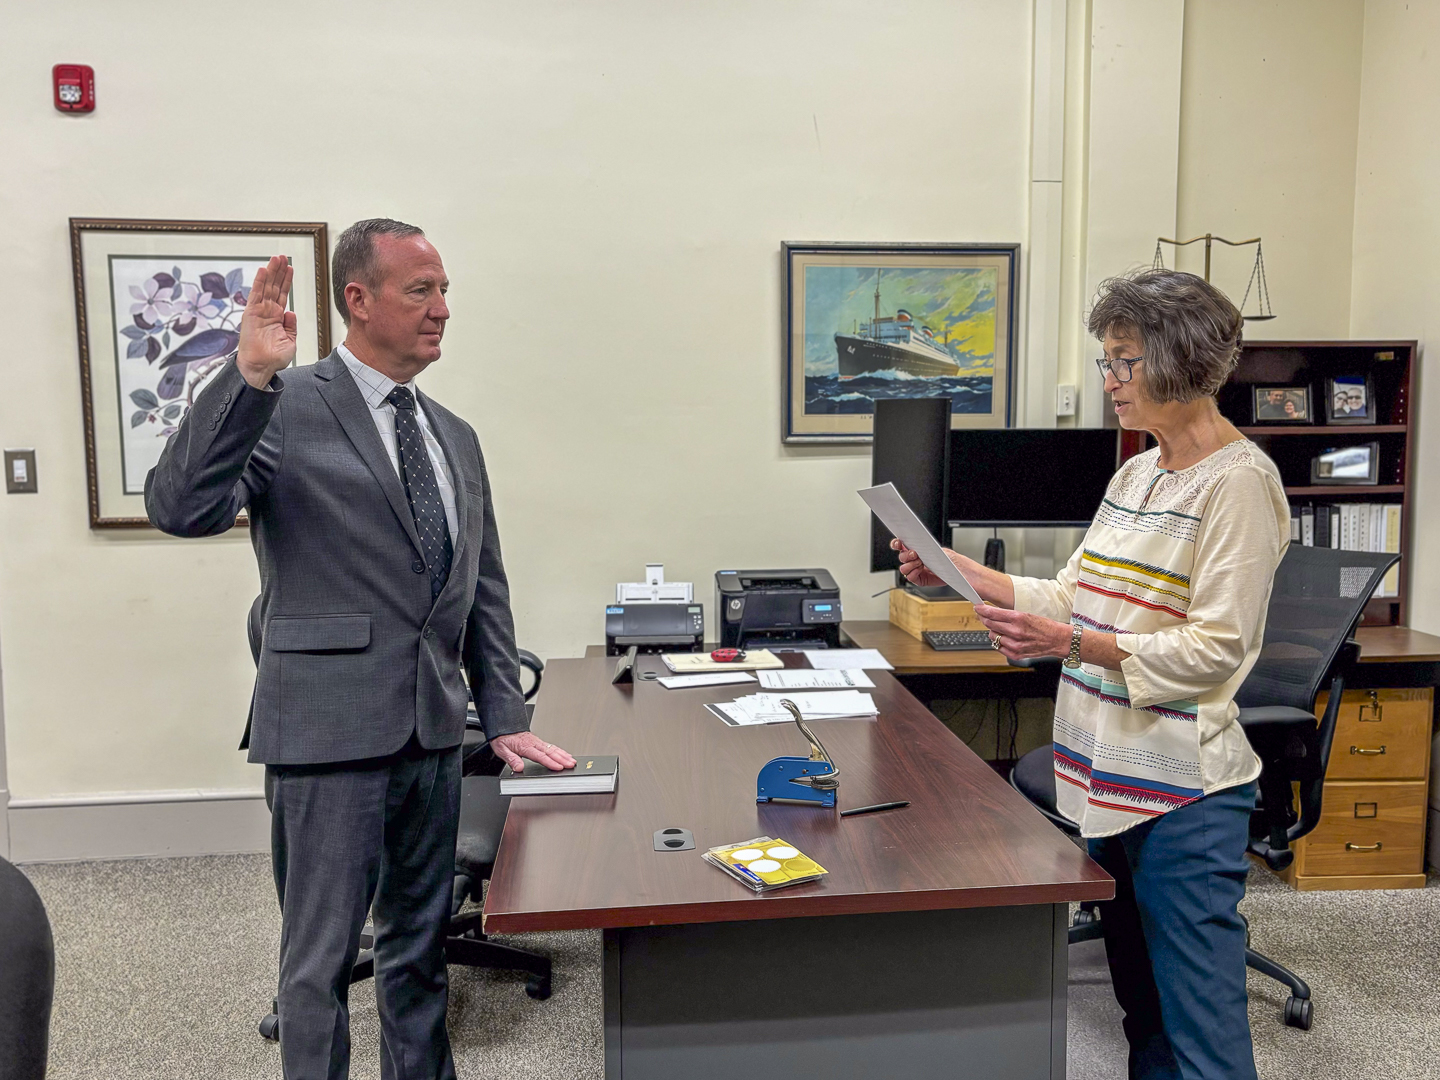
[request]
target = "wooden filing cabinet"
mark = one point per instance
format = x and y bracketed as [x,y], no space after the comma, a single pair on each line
[1372,828]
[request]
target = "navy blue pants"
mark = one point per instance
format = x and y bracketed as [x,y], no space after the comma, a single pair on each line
[1175,941]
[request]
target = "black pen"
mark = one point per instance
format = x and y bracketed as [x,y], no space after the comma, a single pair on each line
[877,806]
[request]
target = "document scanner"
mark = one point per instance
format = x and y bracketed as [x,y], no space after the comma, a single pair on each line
[654,628]
[777,608]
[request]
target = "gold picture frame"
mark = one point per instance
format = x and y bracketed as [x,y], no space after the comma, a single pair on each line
[867,322]
[157,307]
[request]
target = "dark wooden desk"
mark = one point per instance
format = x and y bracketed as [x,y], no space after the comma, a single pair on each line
[911,656]
[1394,656]
[937,939]
[964,675]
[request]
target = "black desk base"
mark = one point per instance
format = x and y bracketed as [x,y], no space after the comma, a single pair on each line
[923,995]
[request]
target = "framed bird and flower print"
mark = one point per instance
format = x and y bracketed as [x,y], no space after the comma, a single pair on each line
[157,310]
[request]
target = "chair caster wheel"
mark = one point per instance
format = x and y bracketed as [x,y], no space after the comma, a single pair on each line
[1084,918]
[1297,1013]
[270,1028]
[538,988]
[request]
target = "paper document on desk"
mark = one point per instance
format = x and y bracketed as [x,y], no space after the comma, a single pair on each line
[688,663]
[848,659]
[766,708]
[895,514]
[803,679]
[719,678]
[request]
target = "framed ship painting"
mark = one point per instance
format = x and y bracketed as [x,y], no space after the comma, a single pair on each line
[157,309]
[870,321]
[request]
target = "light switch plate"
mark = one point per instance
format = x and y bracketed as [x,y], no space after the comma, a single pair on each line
[20,472]
[1065,400]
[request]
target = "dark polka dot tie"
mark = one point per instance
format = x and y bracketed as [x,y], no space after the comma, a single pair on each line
[418,476]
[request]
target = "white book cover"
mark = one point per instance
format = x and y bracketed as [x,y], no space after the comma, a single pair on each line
[1390,585]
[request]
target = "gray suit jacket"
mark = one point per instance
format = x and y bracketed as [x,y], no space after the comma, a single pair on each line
[354,657]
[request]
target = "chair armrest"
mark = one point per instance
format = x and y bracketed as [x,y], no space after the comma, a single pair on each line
[537,668]
[1037,663]
[1274,716]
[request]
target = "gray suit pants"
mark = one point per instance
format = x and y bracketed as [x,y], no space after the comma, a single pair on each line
[345,836]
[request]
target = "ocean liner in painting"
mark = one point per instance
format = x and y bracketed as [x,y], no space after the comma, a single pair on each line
[894,343]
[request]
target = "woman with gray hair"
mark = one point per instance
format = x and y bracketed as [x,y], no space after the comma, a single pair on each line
[1159,617]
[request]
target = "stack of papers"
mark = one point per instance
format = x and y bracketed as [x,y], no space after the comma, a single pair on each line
[802,679]
[766,708]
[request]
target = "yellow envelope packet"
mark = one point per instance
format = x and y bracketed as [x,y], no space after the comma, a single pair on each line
[766,863]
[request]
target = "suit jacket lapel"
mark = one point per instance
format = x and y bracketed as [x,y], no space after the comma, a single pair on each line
[447,439]
[338,389]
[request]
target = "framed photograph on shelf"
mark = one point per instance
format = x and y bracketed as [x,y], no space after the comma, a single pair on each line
[1347,465]
[1349,399]
[1281,405]
[157,310]
[865,322]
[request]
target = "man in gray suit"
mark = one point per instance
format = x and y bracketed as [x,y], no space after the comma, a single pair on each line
[380,576]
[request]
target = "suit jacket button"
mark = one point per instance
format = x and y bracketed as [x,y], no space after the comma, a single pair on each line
[418,566]
[429,631]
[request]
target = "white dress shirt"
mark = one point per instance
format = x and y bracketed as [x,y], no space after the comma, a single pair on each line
[375,388]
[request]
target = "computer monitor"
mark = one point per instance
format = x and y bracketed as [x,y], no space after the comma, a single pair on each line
[1027,477]
[910,451]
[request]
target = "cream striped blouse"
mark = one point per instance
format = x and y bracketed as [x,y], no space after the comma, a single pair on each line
[1178,564]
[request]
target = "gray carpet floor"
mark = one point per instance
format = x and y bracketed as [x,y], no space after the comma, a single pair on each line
[165,966]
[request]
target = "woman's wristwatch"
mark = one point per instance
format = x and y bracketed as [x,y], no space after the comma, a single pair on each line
[1073,660]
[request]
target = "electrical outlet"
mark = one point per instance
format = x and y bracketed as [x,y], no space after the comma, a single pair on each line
[1065,400]
[20,472]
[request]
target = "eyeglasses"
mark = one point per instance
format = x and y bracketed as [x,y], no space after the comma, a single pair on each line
[1121,368]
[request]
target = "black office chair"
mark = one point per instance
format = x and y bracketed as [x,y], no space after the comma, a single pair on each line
[1315,604]
[27,977]
[482,820]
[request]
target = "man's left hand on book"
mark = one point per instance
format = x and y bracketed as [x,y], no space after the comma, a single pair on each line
[512,749]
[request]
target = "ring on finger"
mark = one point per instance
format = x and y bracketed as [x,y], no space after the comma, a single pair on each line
[995,643]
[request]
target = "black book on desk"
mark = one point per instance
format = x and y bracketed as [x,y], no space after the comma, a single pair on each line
[590,776]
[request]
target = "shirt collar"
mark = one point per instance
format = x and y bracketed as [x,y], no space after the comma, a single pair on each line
[374,386]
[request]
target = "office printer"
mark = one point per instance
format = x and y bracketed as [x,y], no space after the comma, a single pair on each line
[768,608]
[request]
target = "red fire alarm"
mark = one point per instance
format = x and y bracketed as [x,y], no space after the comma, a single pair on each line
[74,88]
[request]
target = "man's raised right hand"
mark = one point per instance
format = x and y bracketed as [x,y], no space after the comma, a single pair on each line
[267,329]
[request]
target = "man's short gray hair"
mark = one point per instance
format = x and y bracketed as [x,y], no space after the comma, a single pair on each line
[354,258]
[1189,331]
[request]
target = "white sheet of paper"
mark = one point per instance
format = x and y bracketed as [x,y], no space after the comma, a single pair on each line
[720,678]
[897,516]
[803,679]
[758,709]
[829,705]
[847,659]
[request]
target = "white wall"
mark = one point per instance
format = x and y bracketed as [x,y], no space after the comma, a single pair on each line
[1397,230]
[609,185]
[1269,115]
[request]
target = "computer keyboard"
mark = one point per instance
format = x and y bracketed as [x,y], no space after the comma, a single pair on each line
[954,640]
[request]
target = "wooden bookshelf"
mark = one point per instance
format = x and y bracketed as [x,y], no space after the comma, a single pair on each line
[1391,367]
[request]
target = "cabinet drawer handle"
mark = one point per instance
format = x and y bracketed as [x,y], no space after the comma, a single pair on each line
[1364,847]
[1367,751]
